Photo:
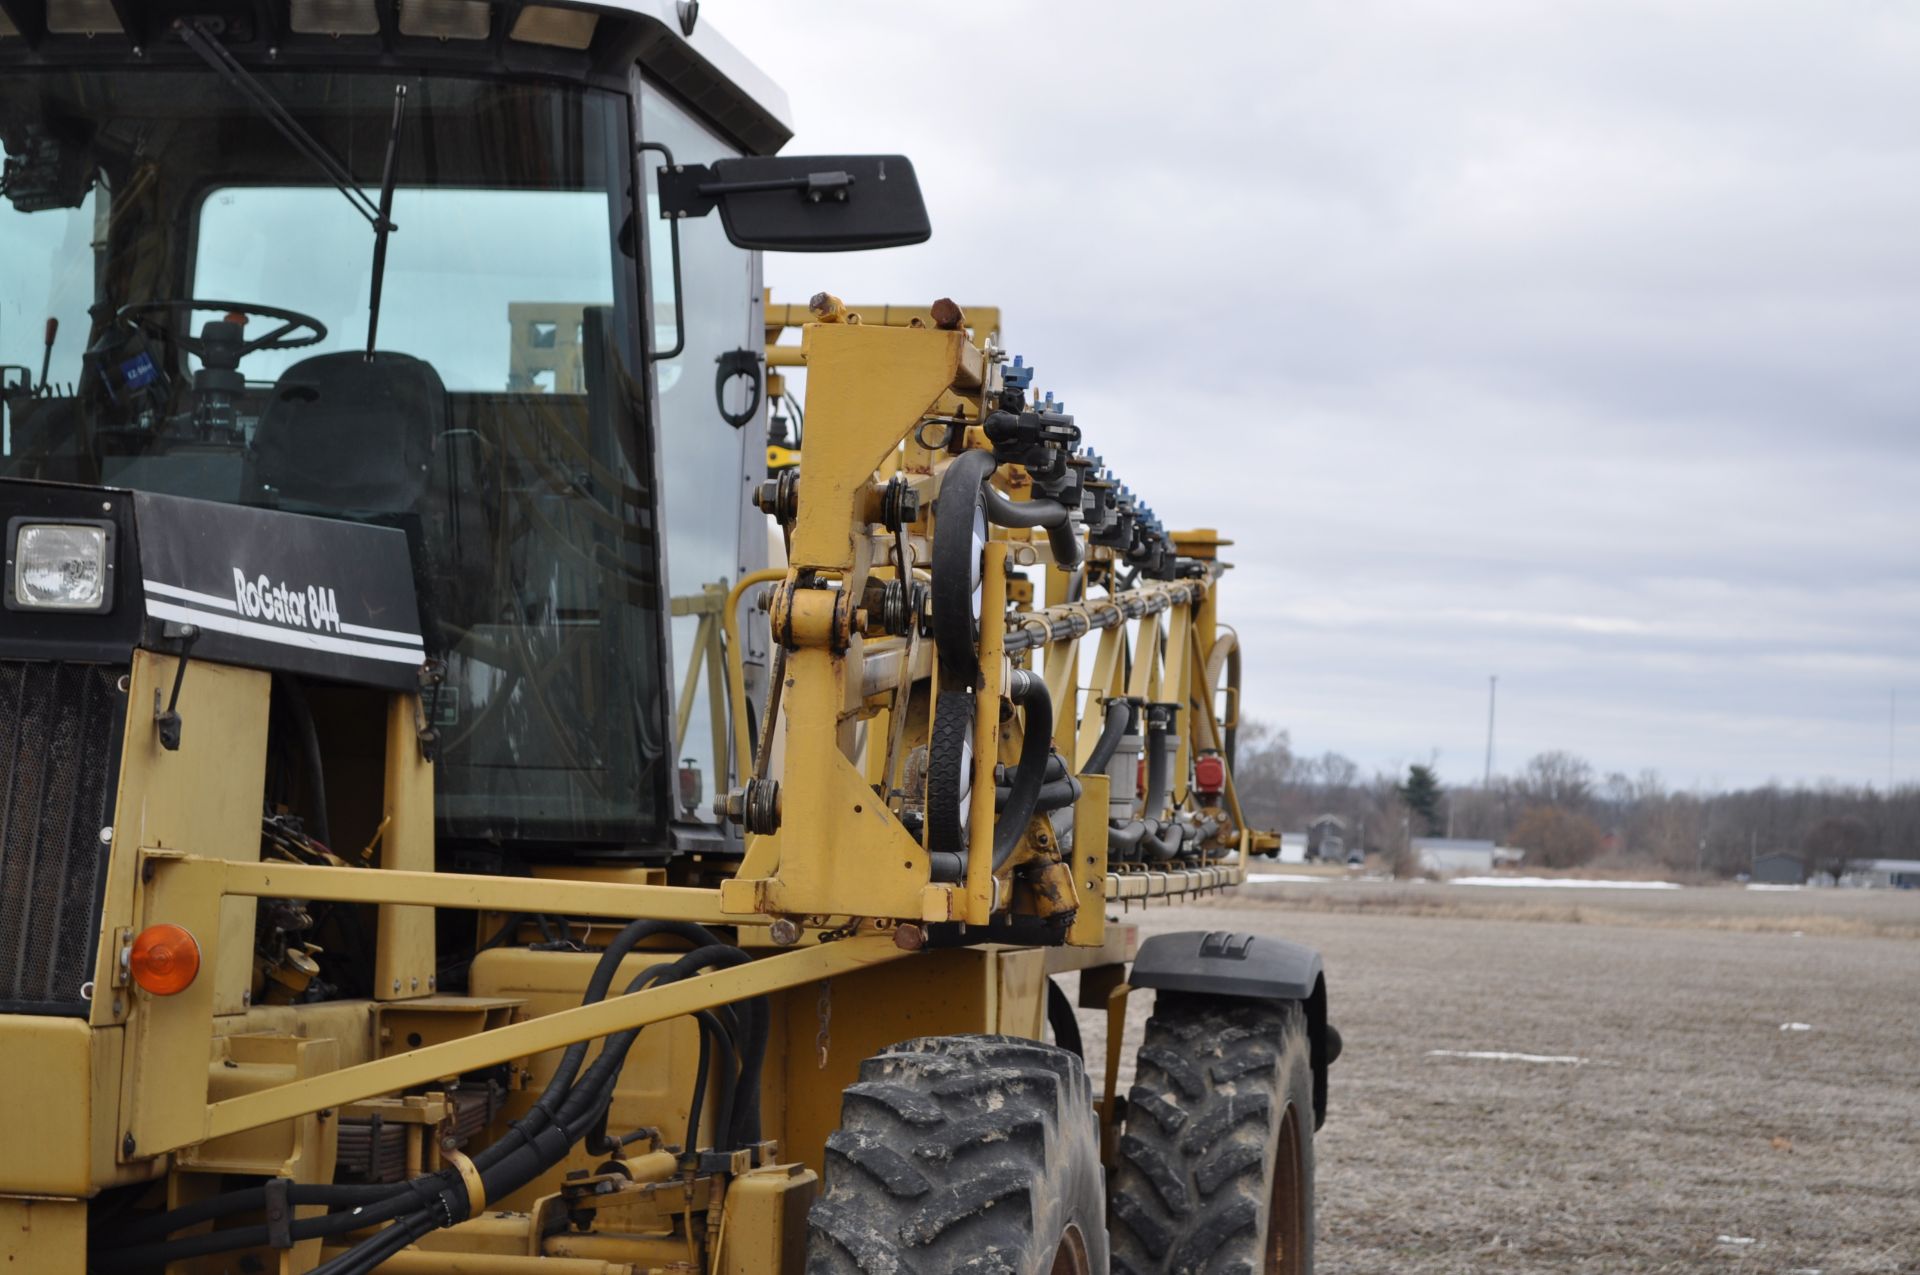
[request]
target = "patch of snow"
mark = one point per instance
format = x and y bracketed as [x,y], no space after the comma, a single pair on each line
[1761,885]
[1796,1027]
[1736,1239]
[1271,878]
[1497,1055]
[1558,883]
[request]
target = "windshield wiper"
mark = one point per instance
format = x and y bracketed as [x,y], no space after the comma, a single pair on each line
[214,54]
[378,214]
[384,226]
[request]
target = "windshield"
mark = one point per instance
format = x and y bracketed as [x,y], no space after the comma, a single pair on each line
[159,229]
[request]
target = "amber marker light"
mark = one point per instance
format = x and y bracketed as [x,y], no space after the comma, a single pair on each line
[164,959]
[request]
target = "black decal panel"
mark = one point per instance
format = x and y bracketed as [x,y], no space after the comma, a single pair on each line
[283,591]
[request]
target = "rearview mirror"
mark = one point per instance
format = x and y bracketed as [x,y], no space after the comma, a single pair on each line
[824,203]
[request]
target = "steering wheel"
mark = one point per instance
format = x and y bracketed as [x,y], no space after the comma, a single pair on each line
[295,330]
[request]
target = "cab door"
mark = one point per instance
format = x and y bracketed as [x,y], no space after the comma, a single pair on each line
[711,422]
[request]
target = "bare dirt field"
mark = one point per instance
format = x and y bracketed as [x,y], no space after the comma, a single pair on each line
[1695,1134]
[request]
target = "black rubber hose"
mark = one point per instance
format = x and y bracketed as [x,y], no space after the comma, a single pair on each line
[309,735]
[1158,768]
[399,1192]
[730,1086]
[1036,745]
[1054,795]
[401,1198]
[947,866]
[367,1255]
[1119,717]
[546,1104]
[759,1026]
[1051,514]
[955,562]
[699,1100]
[247,1199]
[584,1103]
[1056,770]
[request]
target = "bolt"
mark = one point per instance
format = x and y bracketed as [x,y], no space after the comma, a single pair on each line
[909,938]
[947,316]
[416,982]
[106,835]
[784,932]
[126,1146]
[396,985]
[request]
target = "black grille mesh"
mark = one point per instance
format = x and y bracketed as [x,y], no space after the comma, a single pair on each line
[56,762]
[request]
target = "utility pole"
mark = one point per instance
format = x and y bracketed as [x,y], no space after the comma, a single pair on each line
[1893,717]
[1486,779]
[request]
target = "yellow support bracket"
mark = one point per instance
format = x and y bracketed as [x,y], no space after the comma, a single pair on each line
[553,1031]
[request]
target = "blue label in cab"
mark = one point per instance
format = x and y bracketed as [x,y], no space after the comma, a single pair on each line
[139,372]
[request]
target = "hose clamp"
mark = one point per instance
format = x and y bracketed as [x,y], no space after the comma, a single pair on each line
[476,1189]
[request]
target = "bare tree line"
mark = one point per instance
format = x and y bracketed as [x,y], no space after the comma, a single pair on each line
[1565,813]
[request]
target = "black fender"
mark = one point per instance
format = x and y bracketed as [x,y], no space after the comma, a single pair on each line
[1253,966]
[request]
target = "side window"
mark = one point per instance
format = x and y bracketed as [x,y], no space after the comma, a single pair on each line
[703,458]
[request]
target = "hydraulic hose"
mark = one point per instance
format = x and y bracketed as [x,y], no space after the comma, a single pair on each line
[1119,714]
[248,1200]
[1056,770]
[1036,745]
[1158,768]
[1040,512]
[1054,794]
[565,1112]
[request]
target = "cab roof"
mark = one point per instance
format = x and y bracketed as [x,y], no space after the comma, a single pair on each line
[597,42]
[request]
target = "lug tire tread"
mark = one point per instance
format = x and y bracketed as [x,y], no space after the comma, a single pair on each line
[1197,1154]
[960,1153]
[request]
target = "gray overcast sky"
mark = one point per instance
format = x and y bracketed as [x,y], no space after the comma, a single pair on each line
[1571,341]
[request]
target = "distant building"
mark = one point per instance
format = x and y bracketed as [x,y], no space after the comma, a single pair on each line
[1779,868]
[1454,856]
[1901,874]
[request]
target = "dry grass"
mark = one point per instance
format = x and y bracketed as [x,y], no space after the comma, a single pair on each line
[1695,1116]
[1832,913]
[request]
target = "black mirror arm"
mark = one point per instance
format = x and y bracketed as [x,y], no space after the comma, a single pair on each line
[672,218]
[692,191]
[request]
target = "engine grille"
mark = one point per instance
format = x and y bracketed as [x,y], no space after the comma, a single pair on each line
[58,744]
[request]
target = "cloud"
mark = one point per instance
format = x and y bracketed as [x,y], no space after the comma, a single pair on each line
[1572,342]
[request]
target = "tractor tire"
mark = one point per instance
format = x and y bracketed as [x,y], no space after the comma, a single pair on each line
[1215,1170]
[963,1153]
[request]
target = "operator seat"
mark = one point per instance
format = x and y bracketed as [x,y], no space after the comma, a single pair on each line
[347,433]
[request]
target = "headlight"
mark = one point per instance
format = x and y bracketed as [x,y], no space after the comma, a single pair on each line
[60,566]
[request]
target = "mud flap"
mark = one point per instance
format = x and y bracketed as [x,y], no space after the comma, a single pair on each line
[1252,967]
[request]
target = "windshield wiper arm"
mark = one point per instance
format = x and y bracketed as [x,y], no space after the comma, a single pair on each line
[379,215]
[384,224]
[214,54]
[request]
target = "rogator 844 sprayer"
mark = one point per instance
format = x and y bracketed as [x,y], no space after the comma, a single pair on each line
[458,813]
